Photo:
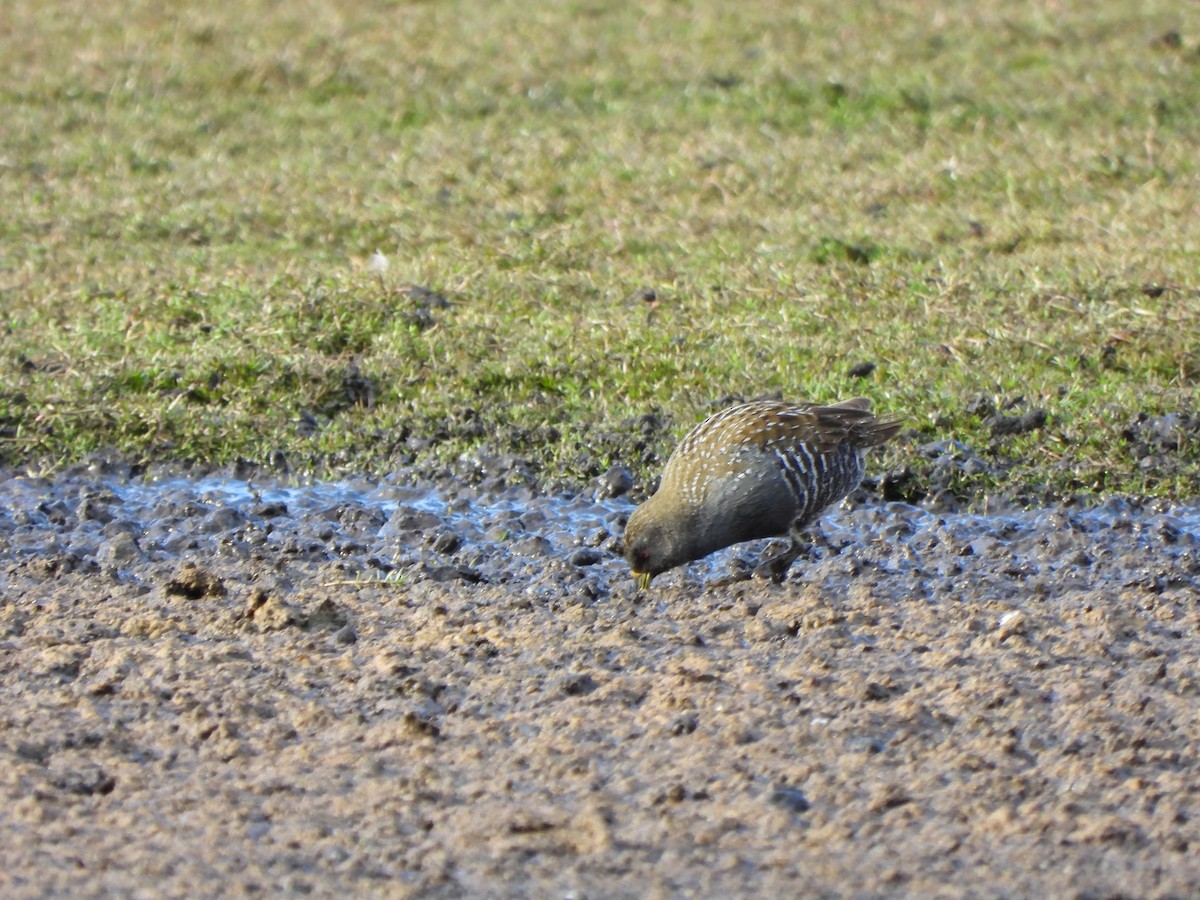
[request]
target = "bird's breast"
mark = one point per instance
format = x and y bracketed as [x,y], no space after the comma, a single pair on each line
[764,492]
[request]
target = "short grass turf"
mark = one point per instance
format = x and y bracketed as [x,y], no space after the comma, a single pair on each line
[214,216]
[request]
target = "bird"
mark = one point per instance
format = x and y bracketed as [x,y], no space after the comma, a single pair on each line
[761,469]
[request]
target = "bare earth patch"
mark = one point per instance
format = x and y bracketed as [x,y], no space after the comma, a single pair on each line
[933,706]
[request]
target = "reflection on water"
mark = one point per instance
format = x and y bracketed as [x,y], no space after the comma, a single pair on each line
[452,531]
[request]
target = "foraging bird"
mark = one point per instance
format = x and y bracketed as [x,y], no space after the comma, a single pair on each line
[755,470]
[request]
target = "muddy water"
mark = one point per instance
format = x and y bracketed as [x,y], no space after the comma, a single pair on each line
[405,686]
[412,531]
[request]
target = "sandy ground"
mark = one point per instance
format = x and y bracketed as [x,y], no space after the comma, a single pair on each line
[927,706]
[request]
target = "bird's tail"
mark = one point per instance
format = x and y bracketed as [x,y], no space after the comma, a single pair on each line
[863,430]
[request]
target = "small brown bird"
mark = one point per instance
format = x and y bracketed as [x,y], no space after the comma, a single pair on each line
[755,470]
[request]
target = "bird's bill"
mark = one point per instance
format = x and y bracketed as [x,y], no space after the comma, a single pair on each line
[643,580]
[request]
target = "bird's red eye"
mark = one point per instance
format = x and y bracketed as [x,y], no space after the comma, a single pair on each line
[642,555]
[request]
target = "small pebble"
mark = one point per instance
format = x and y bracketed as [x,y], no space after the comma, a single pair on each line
[614,483]
[1012,622]
[790,798]
[445,542]
[585,556]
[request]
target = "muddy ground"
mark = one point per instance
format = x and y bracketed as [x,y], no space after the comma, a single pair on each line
[438,690]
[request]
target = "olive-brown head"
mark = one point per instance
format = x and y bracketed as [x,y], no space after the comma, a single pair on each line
[656,538]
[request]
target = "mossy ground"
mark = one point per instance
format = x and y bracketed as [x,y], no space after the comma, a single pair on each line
[991,202]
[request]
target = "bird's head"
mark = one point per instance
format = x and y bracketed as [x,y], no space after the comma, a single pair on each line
[654,542]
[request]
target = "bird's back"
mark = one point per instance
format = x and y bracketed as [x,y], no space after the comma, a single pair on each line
[762,468]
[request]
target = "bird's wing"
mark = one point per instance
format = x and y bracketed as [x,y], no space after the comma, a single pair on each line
[771,425]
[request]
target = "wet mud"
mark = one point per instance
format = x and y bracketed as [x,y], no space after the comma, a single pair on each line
[426,687]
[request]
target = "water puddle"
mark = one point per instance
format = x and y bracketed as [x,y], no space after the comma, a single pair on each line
[555,543]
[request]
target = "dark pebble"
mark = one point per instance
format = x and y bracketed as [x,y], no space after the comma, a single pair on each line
[876,691]
[595,537]
[464,574]
[790,798]
[408,519]
[575,684]
[94,510]
[1031,421]
[684,724]
[535,546]
[585,556]
[307,424]
[863,743]
[354,515]
[422,721]
[56,512]
[223,519]
[85,782]
[424,297]
[981,406]
[272,510]
[614,483]
[445,542]
[586,590]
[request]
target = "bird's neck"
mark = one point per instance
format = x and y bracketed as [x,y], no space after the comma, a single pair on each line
[709,528]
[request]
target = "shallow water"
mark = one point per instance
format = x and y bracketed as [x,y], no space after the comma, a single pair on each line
[559,542]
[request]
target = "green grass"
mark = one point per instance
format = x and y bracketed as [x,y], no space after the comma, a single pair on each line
[975,198]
